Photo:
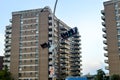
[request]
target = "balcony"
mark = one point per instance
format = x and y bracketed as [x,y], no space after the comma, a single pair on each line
[106,48]
[76,36]
[107,67]
[8,31]
[104,30]
[6,49]
[103,12]
[8,53]
[103,18]
[106,54]
[63,29]
[10,20]
[103,23]
[106,61]
[105,42]
[104,35]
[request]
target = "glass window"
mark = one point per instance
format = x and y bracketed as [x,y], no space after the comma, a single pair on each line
[36,20]
[36,61]
[36,68]
[36,43]
[118,37]
[118,31]
[36,55]
[21,22]
[20,56]
[118,24]
[118,44]
[36,49]
[20,62]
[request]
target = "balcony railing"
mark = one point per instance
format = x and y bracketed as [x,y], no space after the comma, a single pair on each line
[106,54]
[104,35]
[103,18]
[104,30]
[103,12]
[105,41]
[106,48]
[106,61]
[107,67]
[103,23]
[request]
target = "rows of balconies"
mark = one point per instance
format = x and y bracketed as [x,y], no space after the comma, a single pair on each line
[104,36]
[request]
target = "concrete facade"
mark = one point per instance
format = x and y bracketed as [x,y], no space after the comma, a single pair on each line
[111,28]
[28,60]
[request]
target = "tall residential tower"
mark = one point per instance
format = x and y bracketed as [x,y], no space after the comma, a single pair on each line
[111,23]
[25,57]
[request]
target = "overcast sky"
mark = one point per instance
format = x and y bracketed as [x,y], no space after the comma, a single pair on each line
[85,14]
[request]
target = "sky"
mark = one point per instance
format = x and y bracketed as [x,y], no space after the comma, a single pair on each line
[84,14]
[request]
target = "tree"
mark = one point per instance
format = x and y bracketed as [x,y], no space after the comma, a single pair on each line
[100,75]
[115,77]
[5,74]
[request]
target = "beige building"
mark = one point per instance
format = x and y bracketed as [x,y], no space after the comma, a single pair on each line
[111,23]
[24,56]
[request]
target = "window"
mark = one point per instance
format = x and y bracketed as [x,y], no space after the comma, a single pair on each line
[31,61]
[20,56]
[118,31]
[36,74]
[118,24]
[118,44]
[50,35]
[20,62]
[36,43]
[31,55]
[50,29]
[36,20]
[36,49]
[20,50]
[24,61]
[21,22]
[50,24]
[36,68]
[118,37]
[20,75]
[36,55]
[36,61]
[50,18]
[30,74]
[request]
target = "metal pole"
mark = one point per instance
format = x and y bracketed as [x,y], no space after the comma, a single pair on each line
[55,7]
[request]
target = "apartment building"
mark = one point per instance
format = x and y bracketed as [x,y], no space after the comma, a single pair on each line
[25,57]
[7,46]
[111,23]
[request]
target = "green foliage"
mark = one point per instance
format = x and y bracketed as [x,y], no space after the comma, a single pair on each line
[5,74]
[115,77]
[100,75]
